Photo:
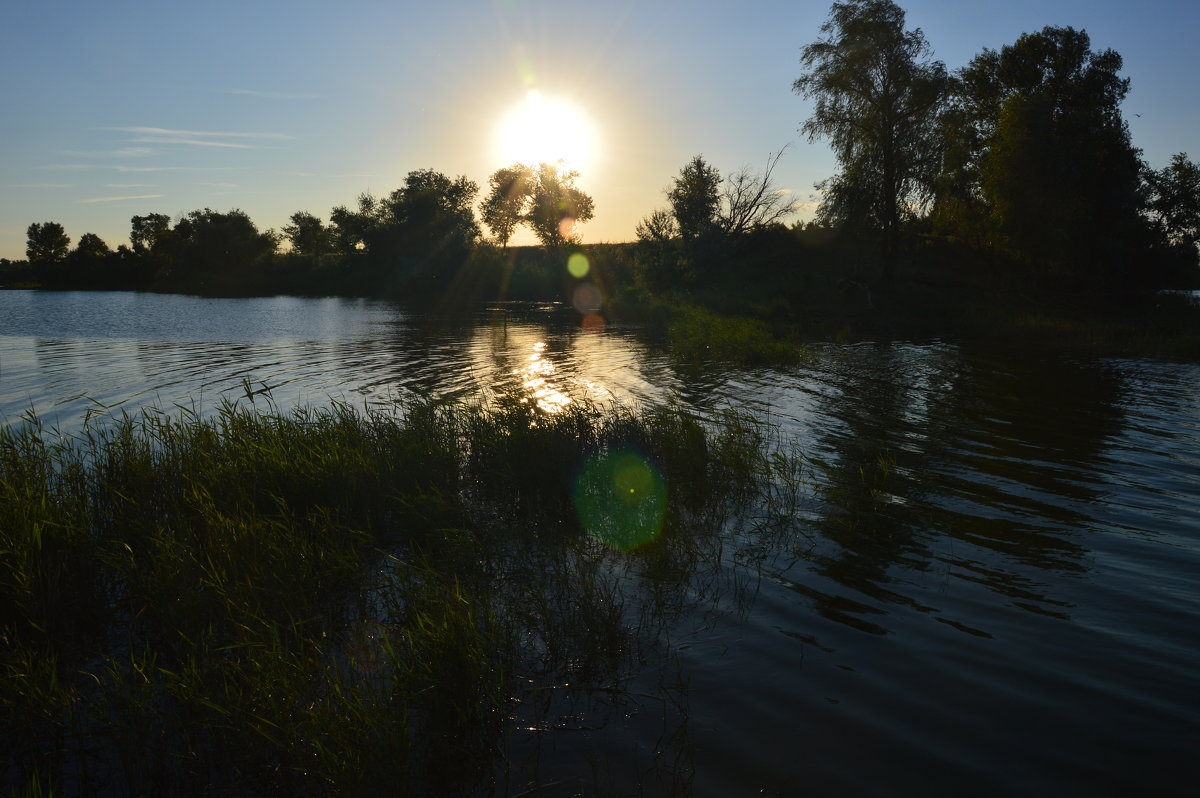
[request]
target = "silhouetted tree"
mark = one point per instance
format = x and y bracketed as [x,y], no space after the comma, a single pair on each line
[878,93]
[695,197]
[46,242]
[659,257]
[557,206]
[750,201]
[1045,155]
[307,234]
[508,200]
[215,242]
[91,247]
[431,213]
[352,229]
[149,232]
[1173,201]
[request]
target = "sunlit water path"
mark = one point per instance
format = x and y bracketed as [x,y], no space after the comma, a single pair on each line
[996,592]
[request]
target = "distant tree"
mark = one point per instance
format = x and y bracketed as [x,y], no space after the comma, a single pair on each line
[431,214]
[149,232]
[308,234]
[695,198]
[214,242]
[750,201]
[351,230]
[46,242]
[511,189]
[658,228]
[878,93]
[1173,201]
[91,248]
[557,206]
[659,260]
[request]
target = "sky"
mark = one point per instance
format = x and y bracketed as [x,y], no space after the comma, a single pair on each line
[123,108]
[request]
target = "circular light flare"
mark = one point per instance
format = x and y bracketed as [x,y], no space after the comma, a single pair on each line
[546,130]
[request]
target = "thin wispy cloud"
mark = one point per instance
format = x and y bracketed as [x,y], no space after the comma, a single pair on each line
[118,199]
[299,174]
[270,95]
[195,134]
[129,185]
[219,185]
[233,145]
[122,168]
[124,152]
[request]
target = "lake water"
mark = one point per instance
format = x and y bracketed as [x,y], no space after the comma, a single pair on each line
[998,586]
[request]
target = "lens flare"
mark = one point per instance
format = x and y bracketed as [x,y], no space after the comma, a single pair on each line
[592,323]
[586,298]
[621,499]
[578,265]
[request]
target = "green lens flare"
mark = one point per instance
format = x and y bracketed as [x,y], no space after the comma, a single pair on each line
[578,265]
[621,499]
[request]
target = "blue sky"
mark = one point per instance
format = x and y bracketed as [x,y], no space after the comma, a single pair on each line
[121,108]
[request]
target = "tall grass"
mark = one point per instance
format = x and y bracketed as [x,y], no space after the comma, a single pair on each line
[330,601]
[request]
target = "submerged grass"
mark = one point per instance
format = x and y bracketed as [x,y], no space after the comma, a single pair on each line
[331,601]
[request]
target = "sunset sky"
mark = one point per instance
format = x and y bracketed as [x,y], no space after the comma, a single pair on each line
[120,108]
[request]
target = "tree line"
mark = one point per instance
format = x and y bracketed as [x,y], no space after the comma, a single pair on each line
[411,240]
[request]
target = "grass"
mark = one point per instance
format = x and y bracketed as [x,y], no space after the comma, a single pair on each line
[335,601]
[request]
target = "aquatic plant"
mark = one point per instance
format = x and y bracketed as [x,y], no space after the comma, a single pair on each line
[342,600]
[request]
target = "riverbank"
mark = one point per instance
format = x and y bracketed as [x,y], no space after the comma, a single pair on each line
[763,301]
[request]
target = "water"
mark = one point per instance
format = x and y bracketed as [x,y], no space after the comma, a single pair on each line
[996,588]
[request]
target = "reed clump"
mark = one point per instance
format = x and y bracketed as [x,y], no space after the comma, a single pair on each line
[326,601]
[699,335]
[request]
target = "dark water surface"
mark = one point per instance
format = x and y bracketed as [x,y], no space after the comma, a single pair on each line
[997,588]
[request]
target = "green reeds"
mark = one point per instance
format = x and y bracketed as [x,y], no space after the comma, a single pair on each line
[329,601]
[698,334]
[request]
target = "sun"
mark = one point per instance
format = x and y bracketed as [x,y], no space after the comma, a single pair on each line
[546,130]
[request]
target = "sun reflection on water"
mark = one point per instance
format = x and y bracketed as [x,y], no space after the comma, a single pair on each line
[536,378]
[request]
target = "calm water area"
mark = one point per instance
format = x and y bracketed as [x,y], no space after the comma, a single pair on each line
[997,588]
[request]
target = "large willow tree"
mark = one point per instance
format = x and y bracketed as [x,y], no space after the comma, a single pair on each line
[878,94]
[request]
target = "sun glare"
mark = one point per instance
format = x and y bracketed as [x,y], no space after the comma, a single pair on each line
[546,130]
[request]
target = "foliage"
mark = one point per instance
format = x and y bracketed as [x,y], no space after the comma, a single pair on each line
[544,198]
[351,229]
[505,206]
[707,213]
[877,94]
[695,199]
[1042,157]
[91,247]
[557,206]
[46,242]
[149,232]
[1173,201]
[308,235]
[660,257]
[208,241]
[429,214]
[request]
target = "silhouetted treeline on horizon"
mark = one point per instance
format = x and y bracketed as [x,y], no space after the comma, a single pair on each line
[1016,172]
